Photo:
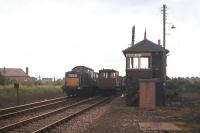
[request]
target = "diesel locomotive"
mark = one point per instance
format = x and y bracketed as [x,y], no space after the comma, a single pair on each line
[81,81]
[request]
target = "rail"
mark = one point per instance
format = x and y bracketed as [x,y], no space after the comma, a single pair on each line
[23,122]
[52,125]
[20,107]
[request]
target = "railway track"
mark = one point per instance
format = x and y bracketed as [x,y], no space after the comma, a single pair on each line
[20,115]
[48,120]
[37,106]
[30,105]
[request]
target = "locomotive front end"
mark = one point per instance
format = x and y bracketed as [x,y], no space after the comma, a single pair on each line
[72,83]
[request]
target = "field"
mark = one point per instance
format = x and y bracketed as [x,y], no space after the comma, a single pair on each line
[27,93]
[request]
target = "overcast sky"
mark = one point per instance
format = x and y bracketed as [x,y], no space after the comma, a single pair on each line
[53,36]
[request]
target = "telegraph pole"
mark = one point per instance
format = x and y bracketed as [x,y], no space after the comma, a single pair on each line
[164,52]
[164,25]
[164,42]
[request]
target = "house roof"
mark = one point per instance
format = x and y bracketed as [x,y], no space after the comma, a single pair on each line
[145,46]
[13,72]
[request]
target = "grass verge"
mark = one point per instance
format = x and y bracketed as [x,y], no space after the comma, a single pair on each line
[8,91]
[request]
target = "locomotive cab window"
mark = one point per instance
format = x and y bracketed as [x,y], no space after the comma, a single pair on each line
[107,75]
[72,75]
[112,75]
[104,75]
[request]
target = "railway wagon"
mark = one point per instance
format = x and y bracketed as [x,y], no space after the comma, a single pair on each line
[108,81]
[81,81]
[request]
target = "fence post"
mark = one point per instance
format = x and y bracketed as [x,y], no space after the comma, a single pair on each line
[16,86]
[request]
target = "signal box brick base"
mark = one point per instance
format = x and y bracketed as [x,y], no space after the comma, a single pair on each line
[147,93]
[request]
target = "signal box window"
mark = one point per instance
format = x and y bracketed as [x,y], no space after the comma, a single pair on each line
[138,63]
[135,63]
[144,63]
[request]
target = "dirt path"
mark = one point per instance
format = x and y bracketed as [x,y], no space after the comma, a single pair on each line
[121,118]
[118,119]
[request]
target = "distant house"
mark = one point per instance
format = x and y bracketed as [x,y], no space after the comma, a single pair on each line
[47,80]
[15,74]
[33,78]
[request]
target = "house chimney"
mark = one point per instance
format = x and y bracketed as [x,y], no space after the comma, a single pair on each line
[158,41]
[27,70]
[133,36]
[4,69]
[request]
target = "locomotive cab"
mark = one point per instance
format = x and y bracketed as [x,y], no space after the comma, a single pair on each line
[72,82]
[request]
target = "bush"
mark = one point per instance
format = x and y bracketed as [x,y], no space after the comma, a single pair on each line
[4,80]
[182,84]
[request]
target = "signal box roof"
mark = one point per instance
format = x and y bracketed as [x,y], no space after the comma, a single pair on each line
[145,46]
